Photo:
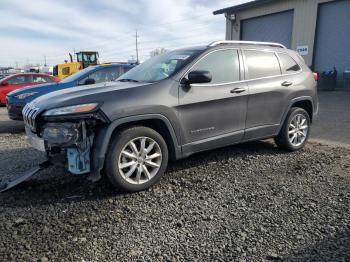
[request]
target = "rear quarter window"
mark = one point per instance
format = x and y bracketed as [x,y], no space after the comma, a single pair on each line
[42,79]
[288,64]
[261,64]
[48,79]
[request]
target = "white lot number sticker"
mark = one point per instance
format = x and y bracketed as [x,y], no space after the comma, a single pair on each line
[179,57]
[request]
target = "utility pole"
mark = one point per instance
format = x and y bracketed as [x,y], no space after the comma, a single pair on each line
[44,60]
[137,48]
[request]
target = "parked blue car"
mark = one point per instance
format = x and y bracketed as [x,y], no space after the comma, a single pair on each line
[16,100]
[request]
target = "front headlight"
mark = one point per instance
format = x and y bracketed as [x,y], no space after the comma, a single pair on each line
[84,108]
[62,134]
[24,95]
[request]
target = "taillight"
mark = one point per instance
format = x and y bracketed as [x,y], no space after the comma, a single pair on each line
[316,76]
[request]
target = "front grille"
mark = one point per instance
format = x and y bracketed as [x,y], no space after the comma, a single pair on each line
[30,112]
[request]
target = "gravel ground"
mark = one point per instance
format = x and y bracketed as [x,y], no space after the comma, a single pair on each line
[334,111]
[7,125]
[251,202]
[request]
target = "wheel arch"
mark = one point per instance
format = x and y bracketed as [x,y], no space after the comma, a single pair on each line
[306,105]
[157,122]
[304,102]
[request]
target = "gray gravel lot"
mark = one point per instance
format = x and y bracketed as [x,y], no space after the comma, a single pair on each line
[7,125]
[251,202]
[333,123]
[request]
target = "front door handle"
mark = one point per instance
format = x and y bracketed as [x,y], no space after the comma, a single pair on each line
[237,90]
[287,83]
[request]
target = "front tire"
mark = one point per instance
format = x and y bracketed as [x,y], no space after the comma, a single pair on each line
[295,130]
[136,159]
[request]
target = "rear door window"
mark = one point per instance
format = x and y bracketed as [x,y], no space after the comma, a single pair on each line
[102,75]
[114,72]
[19,80]
[289,65]
[261,64]
[223,66]
[42,79]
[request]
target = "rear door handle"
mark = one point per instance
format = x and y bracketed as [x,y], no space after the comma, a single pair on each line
[287,83]
[237,90]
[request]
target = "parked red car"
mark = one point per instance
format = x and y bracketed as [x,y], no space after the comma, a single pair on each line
[17,81]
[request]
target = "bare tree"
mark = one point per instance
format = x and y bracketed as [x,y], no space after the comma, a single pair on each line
[158,51]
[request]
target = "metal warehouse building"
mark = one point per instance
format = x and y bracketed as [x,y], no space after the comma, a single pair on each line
[318,29]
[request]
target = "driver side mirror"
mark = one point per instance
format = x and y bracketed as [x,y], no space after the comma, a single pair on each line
[199,77]
[4,83]
[89,81]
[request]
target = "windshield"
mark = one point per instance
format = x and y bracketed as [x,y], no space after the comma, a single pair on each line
[78,75]
[160,67]
[90,58]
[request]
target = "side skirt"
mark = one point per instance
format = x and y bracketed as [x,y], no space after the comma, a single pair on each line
[212,143]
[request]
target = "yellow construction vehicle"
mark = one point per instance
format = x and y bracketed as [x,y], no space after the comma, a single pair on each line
[84,59]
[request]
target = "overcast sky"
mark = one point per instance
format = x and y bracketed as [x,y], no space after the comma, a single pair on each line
[30,29]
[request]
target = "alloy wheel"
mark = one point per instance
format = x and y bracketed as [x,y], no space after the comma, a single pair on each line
[298,130]
[140,160]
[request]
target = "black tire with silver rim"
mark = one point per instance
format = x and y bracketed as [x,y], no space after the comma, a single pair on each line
[136,159]
[140,160]
[298,129]
[295,130]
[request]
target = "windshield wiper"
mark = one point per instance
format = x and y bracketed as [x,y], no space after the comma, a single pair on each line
[127,80]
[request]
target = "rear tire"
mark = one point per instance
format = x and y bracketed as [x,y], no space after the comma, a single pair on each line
[136,159]
[295,130]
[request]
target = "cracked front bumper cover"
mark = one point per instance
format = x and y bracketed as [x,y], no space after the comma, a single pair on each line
[6,185]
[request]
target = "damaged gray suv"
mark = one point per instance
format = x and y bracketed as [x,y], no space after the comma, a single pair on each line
[173,105]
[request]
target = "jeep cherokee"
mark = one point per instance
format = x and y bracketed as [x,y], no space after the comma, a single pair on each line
[176,104]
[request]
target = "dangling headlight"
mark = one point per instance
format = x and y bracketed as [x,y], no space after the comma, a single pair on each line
[62,134]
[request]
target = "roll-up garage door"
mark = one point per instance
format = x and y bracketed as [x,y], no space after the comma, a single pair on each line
[332,47]
[276,27]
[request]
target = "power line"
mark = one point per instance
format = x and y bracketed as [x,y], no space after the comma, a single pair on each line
[160,28]
[169,39]
[154,28]
[122,51]
[151,28]
[137,49]
[127,36]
